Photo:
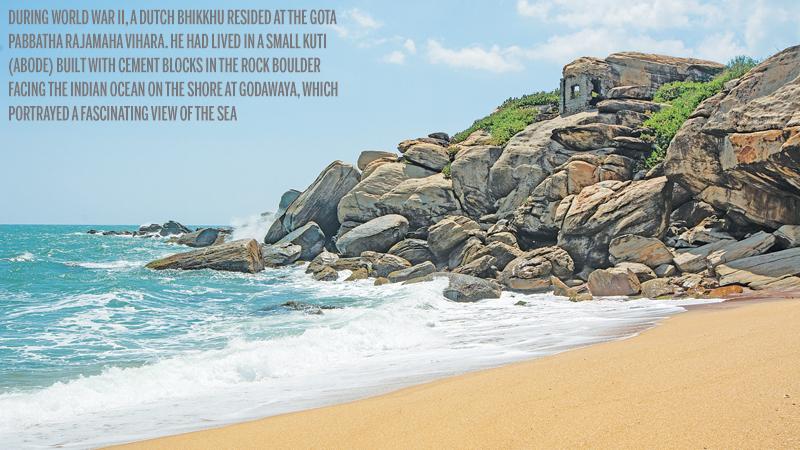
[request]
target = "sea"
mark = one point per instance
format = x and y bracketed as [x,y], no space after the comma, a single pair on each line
[96,349]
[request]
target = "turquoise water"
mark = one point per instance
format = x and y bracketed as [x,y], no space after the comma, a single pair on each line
[96,349]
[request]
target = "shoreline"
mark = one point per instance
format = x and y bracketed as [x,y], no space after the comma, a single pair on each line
[629,392]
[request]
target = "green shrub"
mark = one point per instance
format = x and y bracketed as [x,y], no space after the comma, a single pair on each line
[446,171]
[683,97]
[511,117]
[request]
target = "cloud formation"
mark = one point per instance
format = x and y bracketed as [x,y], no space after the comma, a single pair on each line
[494,59]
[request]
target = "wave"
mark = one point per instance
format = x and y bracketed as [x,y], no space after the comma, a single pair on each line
[252,227]
[22,257]
[108,265]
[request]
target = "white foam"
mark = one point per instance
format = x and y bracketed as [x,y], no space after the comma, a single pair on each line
[107,265]
[23,257]
[410,335]
[252,227]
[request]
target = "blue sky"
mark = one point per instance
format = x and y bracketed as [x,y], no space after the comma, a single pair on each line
[405,69]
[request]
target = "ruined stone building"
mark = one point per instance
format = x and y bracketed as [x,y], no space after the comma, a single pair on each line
[586,81]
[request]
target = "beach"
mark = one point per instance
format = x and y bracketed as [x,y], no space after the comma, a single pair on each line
[721,376]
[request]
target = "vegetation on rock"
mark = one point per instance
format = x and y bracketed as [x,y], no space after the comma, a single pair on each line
[511,117]
[683,97]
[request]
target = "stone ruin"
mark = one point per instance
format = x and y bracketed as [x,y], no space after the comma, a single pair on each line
[586,81]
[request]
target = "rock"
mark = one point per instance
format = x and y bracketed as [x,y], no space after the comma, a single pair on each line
[501,252]
[325,258]
[503,237]
[639,249]
[361,203]
[788,236]
[589,137]
[741,155]
[532,270]
[464,252]
[691,213]
[665,271]
[632,143]
[150,228]
[415,251]
[383,264]
[559,288]
[277,255]
[639,106]
[631,119]
[725,291]
[613,282]
[609,209]
[482,267]
[440,135]
[632,92]
[581,297]
[380,281]
[326,274]
[759,271]
[657,287]
[173,228]
[429,156]
[358,274]
[470,175]
[465,288]
[709,230]
[408,143]
[419,270]
[756,244]
[642,272]
[203,237]
[309,237]
[351,264]
[318,203]
[287,199]
[369,156]
[448,233]
[236,256]
[377,235]
[423,201]
[694,259]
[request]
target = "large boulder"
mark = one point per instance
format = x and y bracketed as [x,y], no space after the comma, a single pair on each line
[762,271]
[423,201]
[754,245]
[481,267]
[318,203]
[419,270]
[361,203]
[277,255]
[613,282]
[203,237]
[741,149]
[286,200]
[788,236]
[590,136]
[639,249]
[470,174]
[430,156]
[382,264]
[377,235]
[532,270]
[501,253]
[415,251]
[309,237]
[237,256]
[608,209]
[466,288]
[448,233]
[369,156]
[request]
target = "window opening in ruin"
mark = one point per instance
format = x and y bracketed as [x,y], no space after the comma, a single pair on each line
[597,92]
[575,90]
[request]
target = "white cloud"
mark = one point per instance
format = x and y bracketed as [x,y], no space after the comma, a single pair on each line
[600,42]
[363,19]
[410,46]
[395,57]
[641,14]
[495,59]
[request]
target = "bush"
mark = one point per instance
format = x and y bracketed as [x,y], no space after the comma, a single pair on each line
[683,97]
[511,117]
[446,171]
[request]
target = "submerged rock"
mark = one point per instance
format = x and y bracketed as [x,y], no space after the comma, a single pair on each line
[237,256]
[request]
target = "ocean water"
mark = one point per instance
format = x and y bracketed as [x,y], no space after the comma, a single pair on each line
[95,349]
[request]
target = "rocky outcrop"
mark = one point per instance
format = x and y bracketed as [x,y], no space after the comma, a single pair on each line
[237,256]
[447,234]
[430,156]
[609,209]
[762,271]
[368,156]
[423,201]
[377,235]
[532,270]
[470,174]
[318,203]
[287,199]
[740,152]
[309,237]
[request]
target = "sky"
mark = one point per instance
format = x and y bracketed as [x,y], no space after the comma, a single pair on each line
[405,69]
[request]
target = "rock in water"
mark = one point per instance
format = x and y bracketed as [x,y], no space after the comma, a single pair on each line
[420,270]
[277,255]
[612,282]
[172,228]
[378,235]
[416,251]
[237,256]
[309,237]
[318,203]
[200,238]
[382,264]
[465,288]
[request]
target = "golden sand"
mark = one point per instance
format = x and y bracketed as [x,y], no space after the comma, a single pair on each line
[711,378]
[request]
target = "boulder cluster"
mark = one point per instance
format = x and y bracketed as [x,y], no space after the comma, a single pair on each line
[175,232]
[565,205]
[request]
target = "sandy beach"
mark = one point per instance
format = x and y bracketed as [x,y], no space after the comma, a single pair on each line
[714,377]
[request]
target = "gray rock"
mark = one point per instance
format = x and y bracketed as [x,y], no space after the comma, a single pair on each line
[504,237]
[758,272]
[470,175]
[415,251]
[754,245]
[382,264]
[448,233]
[465,288]
[423,201]
[440,135]
[657,288]
[277,255]
[691,213]
[788,236]
[640,106]
[326,274]
[694,259]
[632,92]
[590,136]
[287,199]
[464,252]
[613,282]
[482,267]
[369,156]
[642,272]
[500,251]
[532,270]
[639,249]
[236,256]
[665,271]
[419,270]
[203,237]
[429,156]
[309,237]
[377,235]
